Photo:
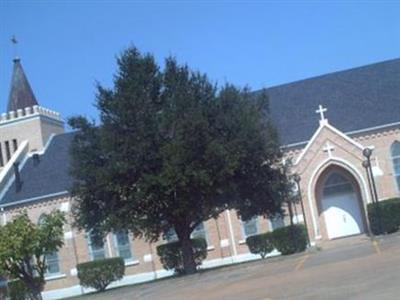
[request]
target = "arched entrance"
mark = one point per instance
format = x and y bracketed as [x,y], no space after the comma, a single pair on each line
[340,205]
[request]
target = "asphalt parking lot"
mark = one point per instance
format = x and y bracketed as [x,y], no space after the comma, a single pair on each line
[351,268]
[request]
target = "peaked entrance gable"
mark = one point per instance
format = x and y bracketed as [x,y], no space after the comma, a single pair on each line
[327,139]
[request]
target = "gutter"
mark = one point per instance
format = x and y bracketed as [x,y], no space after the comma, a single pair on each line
[34,199]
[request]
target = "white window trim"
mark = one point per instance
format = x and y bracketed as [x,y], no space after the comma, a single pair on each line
[54,277]
[133,262]
[395,175]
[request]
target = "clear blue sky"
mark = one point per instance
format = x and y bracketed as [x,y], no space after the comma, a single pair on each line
[66,46]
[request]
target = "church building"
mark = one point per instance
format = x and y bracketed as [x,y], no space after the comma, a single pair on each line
[326,125]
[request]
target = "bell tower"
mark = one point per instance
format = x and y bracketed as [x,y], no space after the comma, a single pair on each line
[25,123]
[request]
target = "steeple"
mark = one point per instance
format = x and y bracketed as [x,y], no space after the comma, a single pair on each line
[21,94]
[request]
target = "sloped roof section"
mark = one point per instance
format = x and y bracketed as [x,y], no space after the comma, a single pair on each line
[21,94]
[356,99]
[50,175]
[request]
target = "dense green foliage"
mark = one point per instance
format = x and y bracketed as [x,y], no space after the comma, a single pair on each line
[17,290]
[261,244]
[171,151]
[98,274]
[287,240]
[172,258]
[290,239]
[23,246]
[385,216]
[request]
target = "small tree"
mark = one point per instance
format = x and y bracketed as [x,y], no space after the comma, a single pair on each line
[24,245]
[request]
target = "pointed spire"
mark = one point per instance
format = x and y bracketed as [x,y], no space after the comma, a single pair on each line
[21,94]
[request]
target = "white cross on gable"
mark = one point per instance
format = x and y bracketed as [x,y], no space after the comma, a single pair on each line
[329,148]
[321,111]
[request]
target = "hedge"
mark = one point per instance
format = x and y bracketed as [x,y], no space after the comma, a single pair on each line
[287,240]
[385,216]
[290,239]
[261,244]
[98,274]
[171,254]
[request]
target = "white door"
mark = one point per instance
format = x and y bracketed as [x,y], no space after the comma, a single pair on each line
[342,215]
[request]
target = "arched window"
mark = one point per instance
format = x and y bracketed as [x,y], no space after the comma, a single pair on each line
[337,184]
[395,151]
[41,219]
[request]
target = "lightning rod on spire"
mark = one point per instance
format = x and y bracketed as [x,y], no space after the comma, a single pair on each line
[15,42]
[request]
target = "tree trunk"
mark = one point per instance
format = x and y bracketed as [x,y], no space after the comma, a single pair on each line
[188,259]
[36,295]
[290,208]
[34,289]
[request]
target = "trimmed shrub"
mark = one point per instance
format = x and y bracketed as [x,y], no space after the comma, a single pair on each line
[384,217]
[171,254]
[290,239]
[98,274]
[261,244]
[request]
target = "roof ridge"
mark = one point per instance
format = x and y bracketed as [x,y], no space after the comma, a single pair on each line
[335,72]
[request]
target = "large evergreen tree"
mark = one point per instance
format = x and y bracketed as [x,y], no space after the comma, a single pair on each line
[171,151]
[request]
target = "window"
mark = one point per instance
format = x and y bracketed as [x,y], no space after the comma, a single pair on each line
[123,245]
[1,157]
[52,259]
[15,145]
[250,227]
[199,232]
[337,184]
[277,222]
[396,162]
[171,236]
[96,248]
[8,153]
[52,263]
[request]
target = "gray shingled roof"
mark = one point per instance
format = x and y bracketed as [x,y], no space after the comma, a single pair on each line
[356,99]
[49,176]
[21,94]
